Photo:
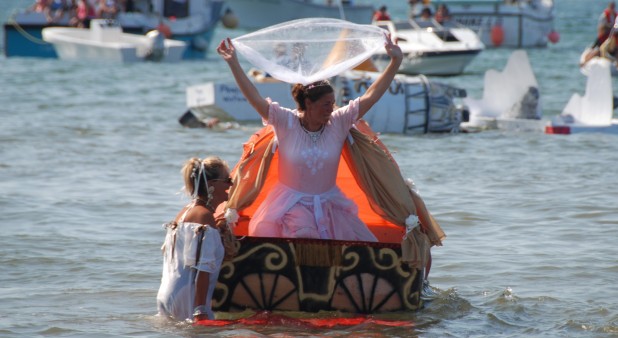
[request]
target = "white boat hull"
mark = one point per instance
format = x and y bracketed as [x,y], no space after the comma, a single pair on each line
[107,45]
[255,14]
[412,105]
[431,49]
[431,63]
[524,24]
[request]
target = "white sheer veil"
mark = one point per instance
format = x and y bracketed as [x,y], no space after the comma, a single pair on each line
[309,50]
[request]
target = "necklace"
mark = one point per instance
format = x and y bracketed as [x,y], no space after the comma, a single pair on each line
[315,135]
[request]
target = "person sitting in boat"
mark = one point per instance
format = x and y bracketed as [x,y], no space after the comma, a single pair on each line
[609,48]
[306,202]
[57,9]
[604,28]
[193,250]
[83,14]
[442,14]
[381,14]
[108,9]
[605,24]
[40,6]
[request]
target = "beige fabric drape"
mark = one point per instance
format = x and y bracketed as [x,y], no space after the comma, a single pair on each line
[257,156]
[377,173]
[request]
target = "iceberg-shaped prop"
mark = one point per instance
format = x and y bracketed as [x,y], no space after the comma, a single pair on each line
[592,112]
[512,93]
[596,106]
[309,50]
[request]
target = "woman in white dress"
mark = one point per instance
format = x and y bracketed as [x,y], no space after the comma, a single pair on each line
[193,251]
[306,202]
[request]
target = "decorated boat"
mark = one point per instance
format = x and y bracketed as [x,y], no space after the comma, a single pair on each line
[105,41]
[431,48]
[191,21]
[412,105]
[256,14]
[284,274]
[504,23]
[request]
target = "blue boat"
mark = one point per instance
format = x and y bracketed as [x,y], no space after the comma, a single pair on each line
[192,21]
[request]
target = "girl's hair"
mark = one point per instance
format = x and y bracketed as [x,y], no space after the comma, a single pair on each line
[212,168]
[313,92]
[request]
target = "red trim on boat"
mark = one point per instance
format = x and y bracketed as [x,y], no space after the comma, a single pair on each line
[562,130]
[268,318]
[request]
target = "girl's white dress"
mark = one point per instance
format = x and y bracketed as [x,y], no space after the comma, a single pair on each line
[181,264]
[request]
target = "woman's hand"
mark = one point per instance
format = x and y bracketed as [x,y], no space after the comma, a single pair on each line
[226,50]
[392,49]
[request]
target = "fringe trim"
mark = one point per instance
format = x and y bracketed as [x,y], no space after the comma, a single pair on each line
[315,254]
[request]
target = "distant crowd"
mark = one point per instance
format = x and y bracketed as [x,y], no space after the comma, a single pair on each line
[80,12]
[441,16]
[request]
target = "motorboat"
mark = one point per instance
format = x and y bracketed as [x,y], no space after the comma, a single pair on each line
[191,21]
[592,112]
[431,48]
[105,41]
[504,23]
[412,104]
[256,14]
[511,99]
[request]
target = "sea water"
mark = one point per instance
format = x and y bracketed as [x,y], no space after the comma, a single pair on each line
[90,156]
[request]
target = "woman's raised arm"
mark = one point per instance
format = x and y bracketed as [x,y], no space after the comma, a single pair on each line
[383,82]
[228,53]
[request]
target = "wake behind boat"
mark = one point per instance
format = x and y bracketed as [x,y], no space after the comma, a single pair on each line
[431,48]
[105,41]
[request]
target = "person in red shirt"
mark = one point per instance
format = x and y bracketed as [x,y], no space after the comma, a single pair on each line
[606,22]
[381,14]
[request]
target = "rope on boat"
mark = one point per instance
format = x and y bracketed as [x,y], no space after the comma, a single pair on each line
[23,32]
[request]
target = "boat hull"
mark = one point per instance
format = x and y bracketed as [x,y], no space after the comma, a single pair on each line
[107,44]
[412,105]
[439,63]
[281,274]
[255,14]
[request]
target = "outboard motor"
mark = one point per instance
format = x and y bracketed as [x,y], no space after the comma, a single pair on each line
[156,46]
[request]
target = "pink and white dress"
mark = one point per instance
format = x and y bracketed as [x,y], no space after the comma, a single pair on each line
[306,202]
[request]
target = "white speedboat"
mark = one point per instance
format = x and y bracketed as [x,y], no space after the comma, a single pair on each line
[430,48]
[505,23]
[592,112]
[105,41]
[256,14]
[412,105]
[191,21]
